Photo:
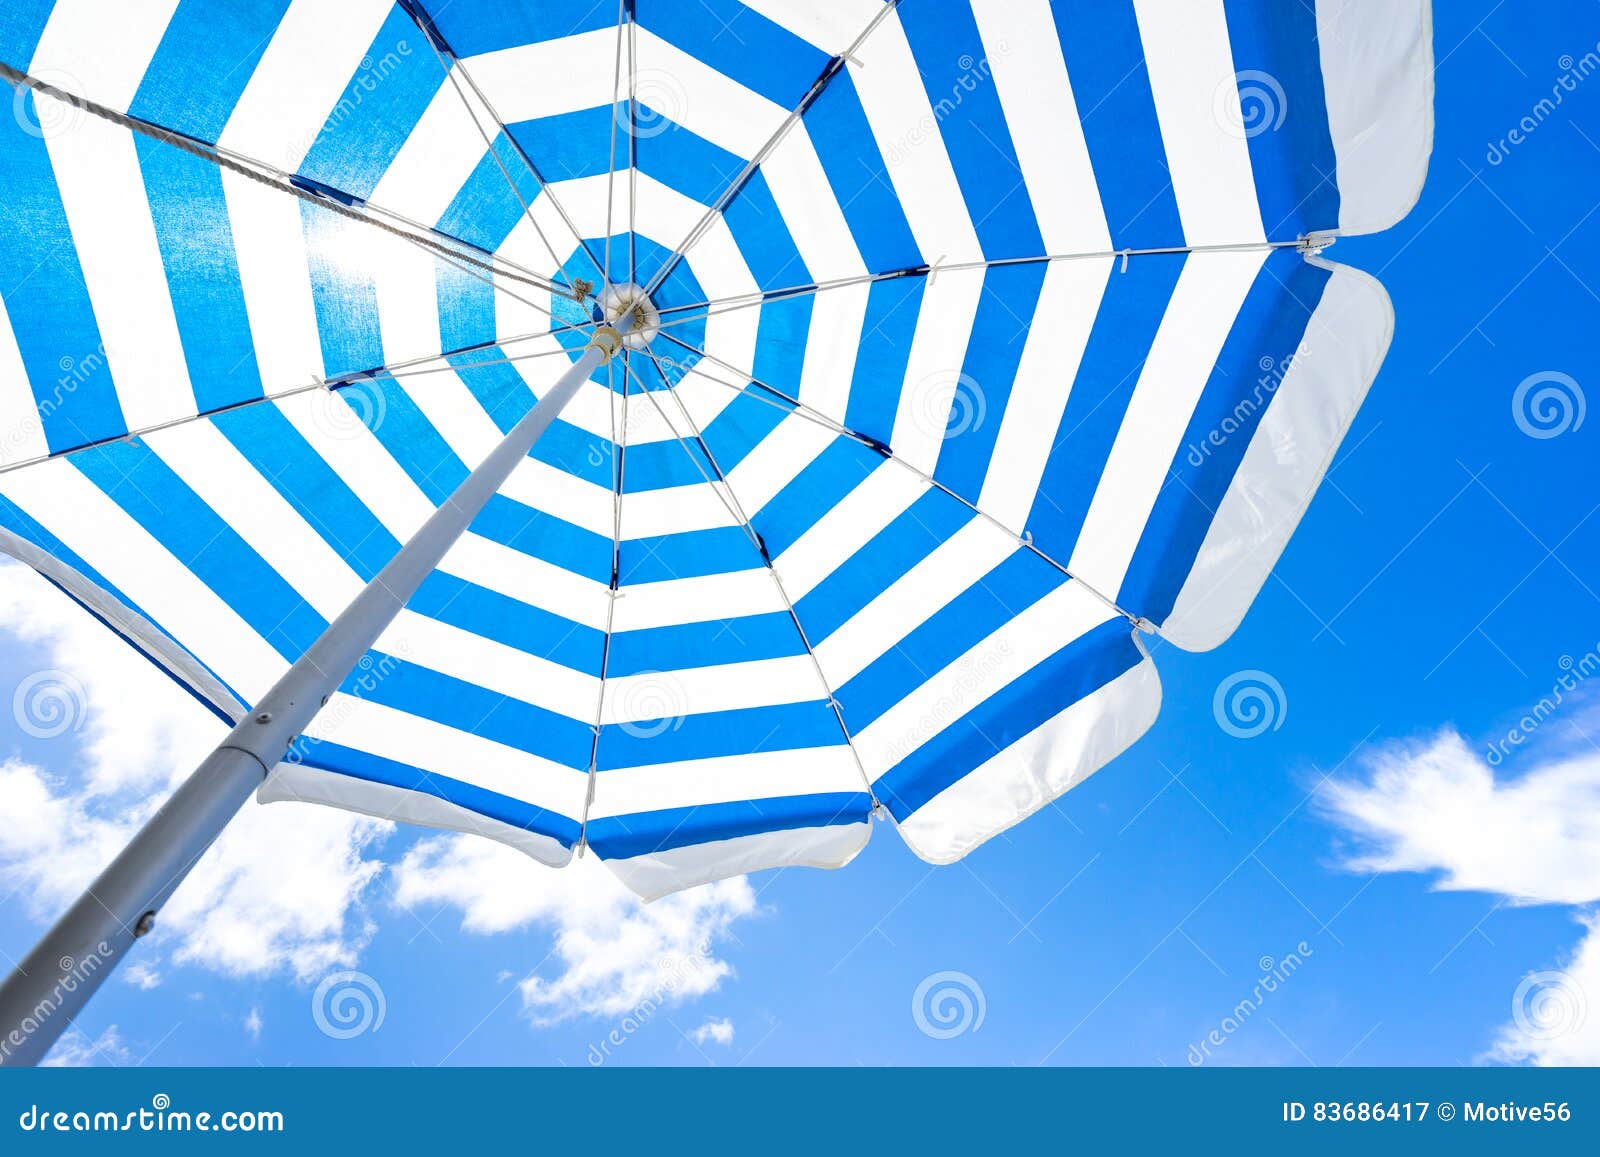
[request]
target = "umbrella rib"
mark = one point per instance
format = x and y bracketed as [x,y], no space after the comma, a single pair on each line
[715,306]
[633,141]
[830,70]
[777,580]
[447,57]
[795,406]
[416,367]
[619,445]
[611,155]
[441,245]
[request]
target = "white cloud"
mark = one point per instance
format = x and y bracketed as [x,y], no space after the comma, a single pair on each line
[75,1050]
[282,887]
[252,1024]
[611,952]
[287,888]
[1435,806]
[716,1031]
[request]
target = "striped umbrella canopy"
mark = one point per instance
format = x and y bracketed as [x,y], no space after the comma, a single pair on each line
[972,340]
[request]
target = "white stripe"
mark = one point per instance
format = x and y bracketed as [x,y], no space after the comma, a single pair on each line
[103,192]
[98,50]
[944,699]
[485,662]
[955,566]
[811,211]
[548,78]
[1204,306]
[882,497]
[697,97]
[673,695]
[21,431]
[416,742]
[907,134]
[670,602]
[301,76]
[1042,765]
[725,779]
[529,580]
[1312,408]
[269,242]
[101,533]
[438,157]
[224,479]
[776,461]
[1069,301]
[1023,51]
[831,25]
[933,378]
[834,339]
[1190,62]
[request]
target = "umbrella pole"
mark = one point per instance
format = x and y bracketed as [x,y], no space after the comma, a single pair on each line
[50,987]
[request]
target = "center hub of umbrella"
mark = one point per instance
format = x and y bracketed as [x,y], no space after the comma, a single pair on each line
[619,300]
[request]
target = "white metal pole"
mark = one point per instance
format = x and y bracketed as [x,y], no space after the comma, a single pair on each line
[54,981]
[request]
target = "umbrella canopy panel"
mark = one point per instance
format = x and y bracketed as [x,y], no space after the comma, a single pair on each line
[980,337]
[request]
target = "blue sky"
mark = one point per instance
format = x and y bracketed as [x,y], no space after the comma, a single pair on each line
[1443,581]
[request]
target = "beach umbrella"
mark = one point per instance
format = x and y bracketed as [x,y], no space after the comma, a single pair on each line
[679,433]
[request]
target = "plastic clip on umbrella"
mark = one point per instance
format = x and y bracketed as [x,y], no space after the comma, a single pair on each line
[896,366]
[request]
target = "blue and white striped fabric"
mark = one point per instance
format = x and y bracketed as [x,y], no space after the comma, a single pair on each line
[992,332]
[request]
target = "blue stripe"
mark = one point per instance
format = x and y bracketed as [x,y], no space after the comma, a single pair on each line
[639,834]
[891,320]
[45,296]
[1111,86]
[1130,313]
[950,55]
[397,79]
[843,138]
[1274,44]
[1069,676]
[471,27]
[203,63]
[718,734]
[1268,332]
[195,237]
[999,333]
[21,29]
[348,761]
[740,43]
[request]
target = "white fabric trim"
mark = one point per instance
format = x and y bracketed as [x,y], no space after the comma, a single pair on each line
[1335,365]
